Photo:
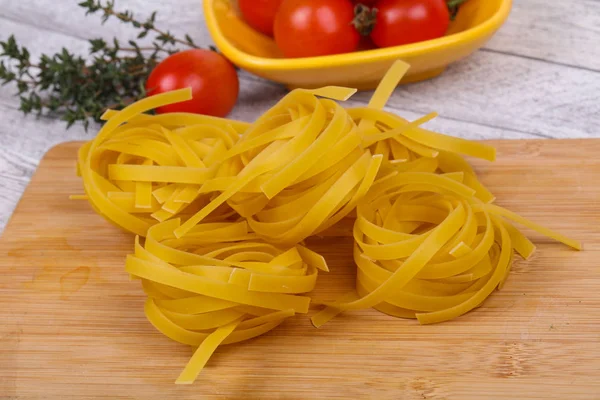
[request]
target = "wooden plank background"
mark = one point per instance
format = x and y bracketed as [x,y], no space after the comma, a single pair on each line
[538,78]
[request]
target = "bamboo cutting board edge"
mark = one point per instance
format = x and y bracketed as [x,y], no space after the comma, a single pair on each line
[74,325]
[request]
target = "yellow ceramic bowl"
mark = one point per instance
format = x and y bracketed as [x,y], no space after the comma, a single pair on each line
[475,24]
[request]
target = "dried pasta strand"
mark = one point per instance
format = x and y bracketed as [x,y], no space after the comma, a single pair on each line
[494,209]
[388,84]
[204,352]
[178,119]
[426,137]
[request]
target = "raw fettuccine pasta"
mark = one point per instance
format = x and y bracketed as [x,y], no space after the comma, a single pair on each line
[225,206]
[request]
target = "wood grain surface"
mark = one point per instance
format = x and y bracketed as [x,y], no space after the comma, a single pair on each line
[538,77]
[72,324]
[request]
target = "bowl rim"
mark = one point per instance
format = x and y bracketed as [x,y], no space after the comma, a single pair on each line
[244,59]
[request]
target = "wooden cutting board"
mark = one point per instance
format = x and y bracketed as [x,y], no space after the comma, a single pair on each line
[72,324]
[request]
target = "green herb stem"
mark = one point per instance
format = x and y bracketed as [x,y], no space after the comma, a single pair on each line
[79,88]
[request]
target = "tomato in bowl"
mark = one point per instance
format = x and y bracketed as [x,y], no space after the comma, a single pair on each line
[476,22]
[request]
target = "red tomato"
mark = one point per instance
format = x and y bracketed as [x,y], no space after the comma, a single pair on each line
[309,28]
[401,22]
[211,76]
[365,2]
[260,14]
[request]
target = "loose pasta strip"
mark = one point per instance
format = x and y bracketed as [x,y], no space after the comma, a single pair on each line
[205,351]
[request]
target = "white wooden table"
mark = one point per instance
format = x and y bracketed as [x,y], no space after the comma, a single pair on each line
[538,78]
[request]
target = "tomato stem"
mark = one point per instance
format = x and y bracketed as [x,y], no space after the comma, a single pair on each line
[453,6]
[364,19]
[455,3]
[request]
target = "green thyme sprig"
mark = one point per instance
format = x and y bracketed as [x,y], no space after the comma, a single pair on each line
[81,89]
